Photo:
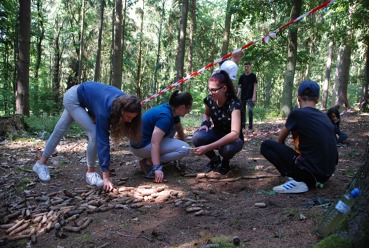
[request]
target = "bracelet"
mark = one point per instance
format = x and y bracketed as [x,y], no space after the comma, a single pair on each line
[206,123]
[151,174]
[157,167]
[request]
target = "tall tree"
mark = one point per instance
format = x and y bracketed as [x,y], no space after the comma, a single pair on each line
[327,79]
[22,99]
[182,40]
[364,91]
[158,51]
[286,102]
[40,36]
[81,42]
[343,76]
[117,48]
[139,59]
[191,40]
[227,28]
[97,75]
[57,56]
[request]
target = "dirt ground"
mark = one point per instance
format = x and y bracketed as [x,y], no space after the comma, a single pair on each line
[189,210]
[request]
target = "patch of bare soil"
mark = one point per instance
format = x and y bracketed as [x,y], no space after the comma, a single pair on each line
[189,210]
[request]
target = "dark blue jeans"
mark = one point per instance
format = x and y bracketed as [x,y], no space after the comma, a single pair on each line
[283,158]
[227,152]
[250,104]
[342,137]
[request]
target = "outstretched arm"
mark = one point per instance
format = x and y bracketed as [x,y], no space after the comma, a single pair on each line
[156,139]
[226,139]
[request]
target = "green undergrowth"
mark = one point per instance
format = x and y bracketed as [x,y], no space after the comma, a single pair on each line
[334,241]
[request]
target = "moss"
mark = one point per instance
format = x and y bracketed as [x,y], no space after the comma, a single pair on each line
[334,241]
[23,184]
[83,238]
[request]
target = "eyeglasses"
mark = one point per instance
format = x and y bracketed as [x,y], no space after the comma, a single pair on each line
[188,108]
[215,90]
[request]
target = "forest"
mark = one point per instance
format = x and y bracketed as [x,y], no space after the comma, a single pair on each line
[149,47]
[142,47]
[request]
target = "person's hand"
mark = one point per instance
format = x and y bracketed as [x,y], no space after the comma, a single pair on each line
[108,185]
[201,150]
[159,176]
[202,128]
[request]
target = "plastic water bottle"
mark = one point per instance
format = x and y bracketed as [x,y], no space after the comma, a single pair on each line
[333,220]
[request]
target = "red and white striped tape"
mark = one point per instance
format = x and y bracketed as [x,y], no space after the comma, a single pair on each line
[263,133]
[353,108]
[278,130]
[264,39]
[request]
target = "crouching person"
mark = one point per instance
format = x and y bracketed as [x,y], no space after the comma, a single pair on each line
[315,156]
[158,144]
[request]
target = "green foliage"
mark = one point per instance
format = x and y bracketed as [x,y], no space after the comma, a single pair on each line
[334,241]
[191,121]
[58,23]
[262,114]
[44,126]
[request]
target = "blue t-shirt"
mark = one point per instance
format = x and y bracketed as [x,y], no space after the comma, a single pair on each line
[160,116]
[98,99]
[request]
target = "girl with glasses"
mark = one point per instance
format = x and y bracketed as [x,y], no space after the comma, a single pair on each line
[221,126]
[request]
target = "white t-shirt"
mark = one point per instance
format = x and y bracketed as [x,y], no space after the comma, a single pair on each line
[231,68]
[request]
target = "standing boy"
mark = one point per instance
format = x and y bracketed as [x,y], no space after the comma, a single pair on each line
[230,66]
[247,86]
[315,156]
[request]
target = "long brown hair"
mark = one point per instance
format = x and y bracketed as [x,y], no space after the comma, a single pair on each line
[120,129]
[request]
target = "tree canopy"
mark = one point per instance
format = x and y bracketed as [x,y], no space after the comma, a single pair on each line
[67,37]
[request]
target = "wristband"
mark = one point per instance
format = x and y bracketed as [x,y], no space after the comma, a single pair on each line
[151,174]
[206,123]
[157,167]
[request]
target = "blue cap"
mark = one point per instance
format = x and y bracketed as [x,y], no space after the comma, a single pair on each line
[309,88]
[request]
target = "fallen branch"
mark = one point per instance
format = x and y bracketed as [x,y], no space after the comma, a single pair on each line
[16,225]
[260,176]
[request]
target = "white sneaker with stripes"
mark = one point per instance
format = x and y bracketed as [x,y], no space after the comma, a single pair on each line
[291,187]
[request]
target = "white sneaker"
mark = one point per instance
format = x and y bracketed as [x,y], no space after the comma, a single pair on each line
[42,171]
[94,179]
[292,187]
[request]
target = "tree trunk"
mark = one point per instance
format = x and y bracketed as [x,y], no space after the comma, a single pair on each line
[286,102]
[327,80]
[191,40]
[227,28]
[268,87]
[336,76]
[124,17]
[117,49]
[56,69]
[344,77]
[358,223]
[182,40]
[22,99]
[81,43]
[139,60]
[97,75]
[40,38]
[158,64]
[309,45]
[364,91]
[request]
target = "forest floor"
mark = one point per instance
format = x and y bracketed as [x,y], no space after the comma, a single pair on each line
[184,211]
